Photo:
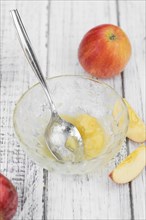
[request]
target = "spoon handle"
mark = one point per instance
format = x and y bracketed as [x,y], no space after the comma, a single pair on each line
[30,55]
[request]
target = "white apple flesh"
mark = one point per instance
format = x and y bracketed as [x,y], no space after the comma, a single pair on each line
[131,167]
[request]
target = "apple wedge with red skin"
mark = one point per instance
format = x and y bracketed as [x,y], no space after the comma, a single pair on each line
[136,128]
[8,199]
[131,167]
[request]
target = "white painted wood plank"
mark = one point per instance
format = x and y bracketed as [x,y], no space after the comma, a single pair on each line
[16,78]
[132,19]
[72,23]
[93,196]
[87,197]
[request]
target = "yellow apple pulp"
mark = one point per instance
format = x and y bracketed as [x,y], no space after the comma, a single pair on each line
[92,132]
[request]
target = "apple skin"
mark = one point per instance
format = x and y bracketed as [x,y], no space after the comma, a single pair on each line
[104,51]
[8,199]
[136,128]
[130,167]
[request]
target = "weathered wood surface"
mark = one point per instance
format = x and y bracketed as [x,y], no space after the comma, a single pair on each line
[17,78]
[55,29]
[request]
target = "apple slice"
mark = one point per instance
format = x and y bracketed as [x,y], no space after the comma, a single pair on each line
[131,167]
[137,128]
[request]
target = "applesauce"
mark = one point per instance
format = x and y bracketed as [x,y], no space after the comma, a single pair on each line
[92,133]
[73,95]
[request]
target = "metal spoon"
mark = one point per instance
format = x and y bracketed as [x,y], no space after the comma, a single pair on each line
[58,130]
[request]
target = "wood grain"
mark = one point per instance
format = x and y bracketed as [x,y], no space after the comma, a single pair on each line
[134,83]
[86,197]
[16,78]
[55,29]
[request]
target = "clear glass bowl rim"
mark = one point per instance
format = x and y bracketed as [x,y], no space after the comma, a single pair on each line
[69,76]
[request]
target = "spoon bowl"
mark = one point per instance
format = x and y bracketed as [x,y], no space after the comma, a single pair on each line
[57,134]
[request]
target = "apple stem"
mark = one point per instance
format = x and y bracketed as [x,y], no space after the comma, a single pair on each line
[112,37]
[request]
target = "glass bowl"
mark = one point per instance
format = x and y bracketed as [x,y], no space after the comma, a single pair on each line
[72,95]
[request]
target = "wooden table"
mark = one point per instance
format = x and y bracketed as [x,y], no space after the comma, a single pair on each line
[56,28]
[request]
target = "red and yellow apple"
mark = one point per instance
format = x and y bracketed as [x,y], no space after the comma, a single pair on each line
[104,51]
[8,199]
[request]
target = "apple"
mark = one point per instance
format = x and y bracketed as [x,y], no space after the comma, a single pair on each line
[136,128]
[131,167]
[8,199]
[104,51]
